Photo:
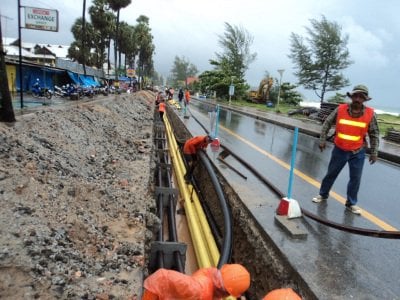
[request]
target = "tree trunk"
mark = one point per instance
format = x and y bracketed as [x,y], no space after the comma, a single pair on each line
[116,47]
[108,58]
[84,36]
[119,60]
[6,108]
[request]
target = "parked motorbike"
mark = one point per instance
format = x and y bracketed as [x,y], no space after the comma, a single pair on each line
[39,92]
[60,91]
[103,90]
[67,91]
[87,92]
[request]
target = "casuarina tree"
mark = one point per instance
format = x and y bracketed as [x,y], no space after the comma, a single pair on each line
[321,57]
[181,70]
[232,62]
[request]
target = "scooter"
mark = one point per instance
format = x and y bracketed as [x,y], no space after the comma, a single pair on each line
[39,92]
[60,91]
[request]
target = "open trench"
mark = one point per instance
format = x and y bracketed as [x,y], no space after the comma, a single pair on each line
[252,246]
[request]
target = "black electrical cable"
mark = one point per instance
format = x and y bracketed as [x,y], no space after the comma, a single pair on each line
[226,251]
[351,229]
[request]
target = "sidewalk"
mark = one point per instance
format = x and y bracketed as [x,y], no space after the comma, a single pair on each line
[28,101]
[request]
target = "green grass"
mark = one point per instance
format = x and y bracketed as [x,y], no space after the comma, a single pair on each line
[385,121]
[283,108]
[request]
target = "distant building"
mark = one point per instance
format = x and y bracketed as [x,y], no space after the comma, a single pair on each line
[59,69]
[190,80]
[44,54]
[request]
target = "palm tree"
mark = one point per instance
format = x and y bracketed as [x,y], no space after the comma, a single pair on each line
[145,46]
[75,51]
[103,22]
[128,44]
[116,5]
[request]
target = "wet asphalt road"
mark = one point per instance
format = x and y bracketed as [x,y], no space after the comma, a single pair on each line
[336,264]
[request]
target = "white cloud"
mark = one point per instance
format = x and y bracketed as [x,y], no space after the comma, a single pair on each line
[366,47]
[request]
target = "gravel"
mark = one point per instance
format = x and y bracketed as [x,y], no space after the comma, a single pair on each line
[75,196]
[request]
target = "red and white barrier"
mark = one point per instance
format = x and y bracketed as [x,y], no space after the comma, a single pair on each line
[289,207]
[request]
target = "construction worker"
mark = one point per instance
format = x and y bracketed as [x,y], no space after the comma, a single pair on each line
[190,150]
[353,123]
[204,284]
[159,96]
[161,109]
[180,95]
[187,97]
[282,294]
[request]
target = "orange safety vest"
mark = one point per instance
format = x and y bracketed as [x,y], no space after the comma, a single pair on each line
[350,131]
[187,96]
[172,285]
[161,107]
[192,145]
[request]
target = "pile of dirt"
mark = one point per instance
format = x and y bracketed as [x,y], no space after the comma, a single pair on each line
[75,190]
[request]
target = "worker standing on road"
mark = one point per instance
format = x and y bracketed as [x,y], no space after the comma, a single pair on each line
[171,92]
[180,95]
[353,122]
[187,97]
[190,151]
[204,284]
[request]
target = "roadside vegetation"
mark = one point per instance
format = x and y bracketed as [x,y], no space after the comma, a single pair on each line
[385,121]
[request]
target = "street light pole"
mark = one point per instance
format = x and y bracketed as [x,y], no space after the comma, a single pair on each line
[280,71]
[231,90]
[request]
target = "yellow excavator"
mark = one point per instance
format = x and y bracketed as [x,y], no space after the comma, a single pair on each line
[261,95]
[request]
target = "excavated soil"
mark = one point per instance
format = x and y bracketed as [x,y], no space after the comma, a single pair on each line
[75,191]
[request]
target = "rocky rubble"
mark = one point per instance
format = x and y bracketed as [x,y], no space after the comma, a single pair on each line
[75,191]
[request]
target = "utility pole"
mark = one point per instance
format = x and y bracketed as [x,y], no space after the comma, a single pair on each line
[231,90]
[21,80]
[84,36]
[280,71]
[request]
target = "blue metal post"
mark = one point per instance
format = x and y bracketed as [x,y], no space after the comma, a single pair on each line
[293,161]
[216,122]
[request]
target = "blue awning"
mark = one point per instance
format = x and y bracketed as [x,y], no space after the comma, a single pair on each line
[74,77]
[87,80]
[83,80]
[123,78]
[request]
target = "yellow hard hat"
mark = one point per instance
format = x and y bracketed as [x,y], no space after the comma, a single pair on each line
[236,279]
[282,294]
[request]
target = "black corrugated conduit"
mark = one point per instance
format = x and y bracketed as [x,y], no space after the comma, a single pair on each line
[163,180]
[226,250]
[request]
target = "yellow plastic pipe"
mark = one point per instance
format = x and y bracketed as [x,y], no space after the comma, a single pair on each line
[201,250]
[200,215]
[207,253]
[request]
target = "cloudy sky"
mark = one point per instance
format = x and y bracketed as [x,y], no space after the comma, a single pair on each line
[190,29]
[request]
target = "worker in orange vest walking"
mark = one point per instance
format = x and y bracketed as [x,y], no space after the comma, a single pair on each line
[190,150]
[204,284]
